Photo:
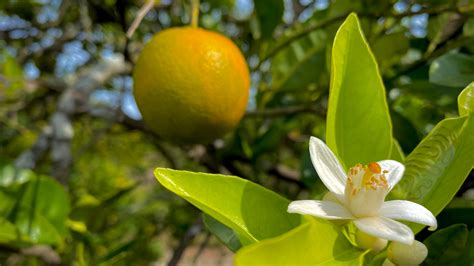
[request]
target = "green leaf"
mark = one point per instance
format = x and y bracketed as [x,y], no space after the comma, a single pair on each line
[252,211]
[397,152]
[358,123]
[389,48]
[468,29]
[469,250]
[453,70]
[222,232]
[8,231]
[9,176]
[37,228]
[290,66]
[13,74]
[48,198]
[466,100]
[438,166]
[7,203]
[269,14]
[316,242]
[446,246]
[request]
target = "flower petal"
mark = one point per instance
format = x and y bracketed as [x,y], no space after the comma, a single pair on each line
[386,228]
[328,167]
[408,211]
[395,171]
[323,209]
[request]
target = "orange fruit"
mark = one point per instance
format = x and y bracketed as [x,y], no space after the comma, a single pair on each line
[191,85]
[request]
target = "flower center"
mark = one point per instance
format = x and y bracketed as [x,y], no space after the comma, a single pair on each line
[366,189]
[368,176]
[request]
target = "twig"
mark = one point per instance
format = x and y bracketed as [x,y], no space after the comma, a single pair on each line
[299,35]
[290,110]
[194,13]
[427,57]
[58,134]
[202,247]
[138,19]
[192,232]
[287,175]
[330,21]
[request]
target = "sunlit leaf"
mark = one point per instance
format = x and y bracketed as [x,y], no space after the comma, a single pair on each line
[8,232]
[252,211]
[316,242]
[46,197]
[438,166]
[37,228]
[9,176]
[466,100]
[358,123]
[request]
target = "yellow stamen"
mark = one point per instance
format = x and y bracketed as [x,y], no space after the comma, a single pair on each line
[373,177]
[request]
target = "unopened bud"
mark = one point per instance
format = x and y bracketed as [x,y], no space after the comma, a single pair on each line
[366,241]
[402,254]
[387,262]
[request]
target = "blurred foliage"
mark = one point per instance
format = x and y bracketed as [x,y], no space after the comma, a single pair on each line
[111,210]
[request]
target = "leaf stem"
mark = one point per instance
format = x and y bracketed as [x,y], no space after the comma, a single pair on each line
[194,13]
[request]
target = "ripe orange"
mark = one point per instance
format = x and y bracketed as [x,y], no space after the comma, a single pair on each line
[191,85]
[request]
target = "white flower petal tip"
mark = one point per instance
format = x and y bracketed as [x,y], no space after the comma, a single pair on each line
[329,169]
[386,228]
[322,209]
[408,211]
[395,171]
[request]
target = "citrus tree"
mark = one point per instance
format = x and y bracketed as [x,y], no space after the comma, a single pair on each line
[280,132]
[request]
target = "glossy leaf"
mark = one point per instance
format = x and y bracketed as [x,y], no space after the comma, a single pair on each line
[8,231]
[438,166]
[46,197]
[316,242]
[447,246]
[9,176]
[269,14]
[466,100]
[252,211]
[358,123]
[452,70]
[290,66]
[37,228]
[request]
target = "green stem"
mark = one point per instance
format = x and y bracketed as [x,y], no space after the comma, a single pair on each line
[194,13]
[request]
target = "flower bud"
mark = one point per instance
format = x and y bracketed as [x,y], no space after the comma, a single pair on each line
[366,241]
[402,254]
[387,262]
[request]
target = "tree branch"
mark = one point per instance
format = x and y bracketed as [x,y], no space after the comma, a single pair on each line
[58,134]
[290,110]
[192,232]
[308,30]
